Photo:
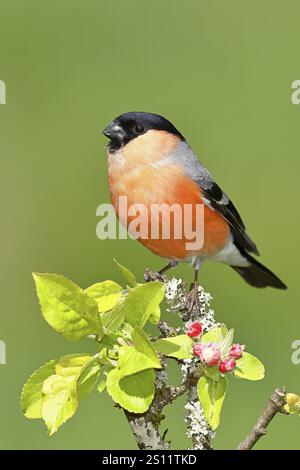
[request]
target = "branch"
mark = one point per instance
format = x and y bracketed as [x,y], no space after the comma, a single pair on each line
[145,427]
[275,405]
[198,430]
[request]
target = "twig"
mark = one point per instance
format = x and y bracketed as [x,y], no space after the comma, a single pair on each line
[167,330]
[275,405]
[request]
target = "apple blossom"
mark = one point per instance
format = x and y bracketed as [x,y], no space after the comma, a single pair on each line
[194,329]
[236,350]
[227,365]
[209,353]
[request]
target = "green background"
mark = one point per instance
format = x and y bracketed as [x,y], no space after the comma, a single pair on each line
[222,72]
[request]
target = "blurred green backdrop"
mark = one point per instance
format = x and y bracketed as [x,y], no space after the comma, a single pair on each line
[222,72]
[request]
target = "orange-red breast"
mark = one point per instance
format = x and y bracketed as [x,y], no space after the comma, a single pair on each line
[150,162]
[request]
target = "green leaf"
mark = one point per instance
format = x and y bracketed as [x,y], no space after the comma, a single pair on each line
[53,391]
[127,331]
[128,275]
[142,301]
[155,316]
[212,372]
[71,364]
[88,377]
[135,392]
[215,335]
[104,358]
[178,346]
[249,367]
[141,356]
[226,343]
[60,401]
[144,346]
[101,384]
[32,396]
[107,294]
[110,339]
[211,395]
[66,307]
[113,319]
[84,368]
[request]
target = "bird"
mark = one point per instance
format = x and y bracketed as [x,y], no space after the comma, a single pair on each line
[150,162]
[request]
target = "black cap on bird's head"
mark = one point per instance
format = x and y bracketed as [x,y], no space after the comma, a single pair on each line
[128,126]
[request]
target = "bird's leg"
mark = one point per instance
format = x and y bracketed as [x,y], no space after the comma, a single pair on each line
[170,265]
[192,298]
[158,276]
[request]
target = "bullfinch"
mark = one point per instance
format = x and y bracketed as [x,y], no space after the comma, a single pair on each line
[150,162]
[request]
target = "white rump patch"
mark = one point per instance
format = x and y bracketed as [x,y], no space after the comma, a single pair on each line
[230,255]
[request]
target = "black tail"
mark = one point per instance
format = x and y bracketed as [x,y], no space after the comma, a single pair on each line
[258,275]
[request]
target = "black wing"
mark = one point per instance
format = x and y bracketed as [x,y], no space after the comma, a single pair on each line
[222,204]
[216,198]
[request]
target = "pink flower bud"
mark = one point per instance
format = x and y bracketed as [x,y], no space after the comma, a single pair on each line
[209,353]
[194,329]
[227,365]
[197,349]
[236,350]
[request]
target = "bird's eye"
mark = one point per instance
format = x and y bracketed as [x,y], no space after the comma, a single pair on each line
[139,129]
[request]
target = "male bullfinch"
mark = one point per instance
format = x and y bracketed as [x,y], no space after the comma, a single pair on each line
[150,162]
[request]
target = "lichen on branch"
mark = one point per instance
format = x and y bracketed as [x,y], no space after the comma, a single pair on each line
[131,363]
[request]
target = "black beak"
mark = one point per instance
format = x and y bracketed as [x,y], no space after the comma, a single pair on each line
[113,131]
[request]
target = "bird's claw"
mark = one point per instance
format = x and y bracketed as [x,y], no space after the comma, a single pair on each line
[192,300]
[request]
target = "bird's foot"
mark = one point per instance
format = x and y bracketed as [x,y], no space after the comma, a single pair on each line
[153,276]
[192,300]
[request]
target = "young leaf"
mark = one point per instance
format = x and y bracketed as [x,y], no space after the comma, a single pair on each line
[155,316]
[249,367]
[101,384]
[110,339]
[135,392]
[226,343]
[60,401]
[141,356]
[88,377]
[212,372]
[215,335]
[66,308]
[71,364]
[292,405]
[144,346]
[113,319]
[107,294]
[127,331]
[178,346]
[143,301]
[128,275]
[32,396]
[82,367]
[211,395]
